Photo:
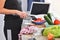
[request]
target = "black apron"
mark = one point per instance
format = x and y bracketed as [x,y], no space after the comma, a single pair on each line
[12,22]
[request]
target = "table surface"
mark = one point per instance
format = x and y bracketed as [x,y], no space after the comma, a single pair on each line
[26,37]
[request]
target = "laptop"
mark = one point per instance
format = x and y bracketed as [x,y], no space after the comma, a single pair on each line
[39,8]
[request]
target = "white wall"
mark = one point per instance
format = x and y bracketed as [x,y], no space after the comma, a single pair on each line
[1,27]
[54,7]
[24,5]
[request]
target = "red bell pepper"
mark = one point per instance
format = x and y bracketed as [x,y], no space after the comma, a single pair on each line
[56,22]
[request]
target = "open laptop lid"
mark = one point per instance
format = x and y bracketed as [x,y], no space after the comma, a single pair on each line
[39,8]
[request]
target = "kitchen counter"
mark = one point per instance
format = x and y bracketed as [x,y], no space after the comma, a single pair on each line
[26,37]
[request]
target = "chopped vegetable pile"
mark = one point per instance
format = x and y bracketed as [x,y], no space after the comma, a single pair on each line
[55,30]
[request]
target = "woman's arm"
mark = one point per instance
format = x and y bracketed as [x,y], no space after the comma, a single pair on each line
[5,11]
[8,11]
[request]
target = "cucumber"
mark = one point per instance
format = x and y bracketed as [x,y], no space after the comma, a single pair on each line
[48,20]
[42,31]
[49,15]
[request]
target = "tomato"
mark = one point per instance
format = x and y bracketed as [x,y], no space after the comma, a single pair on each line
[36,21]
[56,21]
[39,18]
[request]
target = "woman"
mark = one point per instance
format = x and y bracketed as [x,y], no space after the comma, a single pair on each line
[13,17]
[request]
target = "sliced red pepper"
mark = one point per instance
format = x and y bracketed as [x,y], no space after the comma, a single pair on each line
[50,36]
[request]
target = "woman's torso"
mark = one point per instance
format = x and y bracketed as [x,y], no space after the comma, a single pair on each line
[12,4]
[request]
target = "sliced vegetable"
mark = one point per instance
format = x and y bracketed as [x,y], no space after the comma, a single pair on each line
[50,36]
[55,30]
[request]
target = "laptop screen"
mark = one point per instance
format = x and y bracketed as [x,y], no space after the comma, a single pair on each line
[39,8]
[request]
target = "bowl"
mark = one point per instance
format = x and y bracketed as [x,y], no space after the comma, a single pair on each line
[39,23]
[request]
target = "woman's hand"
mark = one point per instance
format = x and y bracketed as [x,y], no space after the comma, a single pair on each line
[21,14]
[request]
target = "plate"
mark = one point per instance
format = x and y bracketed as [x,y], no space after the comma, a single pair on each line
[39,23]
